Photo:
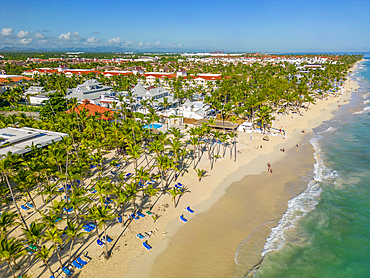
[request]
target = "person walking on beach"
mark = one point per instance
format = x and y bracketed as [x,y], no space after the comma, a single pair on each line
[269,166]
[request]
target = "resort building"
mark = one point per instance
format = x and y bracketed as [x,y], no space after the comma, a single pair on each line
[90,90]
[93,109]
[15,140]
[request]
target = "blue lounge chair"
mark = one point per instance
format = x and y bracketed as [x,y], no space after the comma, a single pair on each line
[91,225]
[61,189]
[24,207]
[140,236]
[108,239]
[113,173]
[118,165]
[29,250]
[119,219]
[183,218]
[81,261]
[100,243]
[140,214]
[92,166]
[67,271]
[146,245]
[87,229]
[135,216]
[52,276]
[78,181]
[189,210]
[179,185]
[29,205]
[94,191]
[128,175]
[76,265]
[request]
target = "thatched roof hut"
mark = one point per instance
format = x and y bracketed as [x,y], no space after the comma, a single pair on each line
[218,124]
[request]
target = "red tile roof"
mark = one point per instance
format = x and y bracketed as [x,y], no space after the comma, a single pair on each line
[93,109]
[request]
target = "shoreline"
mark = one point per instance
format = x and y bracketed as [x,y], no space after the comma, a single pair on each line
[255,164]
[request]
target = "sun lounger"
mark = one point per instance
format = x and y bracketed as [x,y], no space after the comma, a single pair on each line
[140,214]
[117,165]
[58,219]
[146,245]
[91,225]
[113,173]
[68,209]
[81,261]
[78,181]
[84,258]
[60,273]
[87,229]
[52,276]
[67,271]
[189,210]
[108,239]
[149,213]
[29,205]
[179,185]
[93,191]
[24,207]
[33,247]
[183,218]
[100,243]
[140,236]
[29,250]
[76,265]
[119,219]
[92,166]
[128,175]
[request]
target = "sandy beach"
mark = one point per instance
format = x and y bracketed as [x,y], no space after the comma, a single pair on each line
[234,200]
[247,199]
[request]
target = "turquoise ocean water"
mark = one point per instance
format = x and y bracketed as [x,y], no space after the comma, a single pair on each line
[326,230]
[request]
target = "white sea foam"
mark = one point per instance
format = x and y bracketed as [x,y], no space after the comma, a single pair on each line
[365,110]
[329,129]
[303,203]
[367,101]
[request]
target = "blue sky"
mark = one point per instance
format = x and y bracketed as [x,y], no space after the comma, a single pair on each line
[263,25]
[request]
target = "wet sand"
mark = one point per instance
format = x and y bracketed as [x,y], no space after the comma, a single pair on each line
[206,245]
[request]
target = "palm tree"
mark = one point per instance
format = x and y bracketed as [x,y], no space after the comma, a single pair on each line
[151,192]
[6,166]
[201,173]
[54,235]
[73,231]
[10,250]
[7,220]
[104,214]
[131,191]
[264,117]
[34,233]
[44,253]
[175,192]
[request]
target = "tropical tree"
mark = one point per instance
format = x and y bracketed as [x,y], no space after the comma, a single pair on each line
[10,250]
[44,253]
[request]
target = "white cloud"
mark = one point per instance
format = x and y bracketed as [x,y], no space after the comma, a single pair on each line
[115,40]
[6,31]
[38,36]
[148,43]
[128,43]
[140,44]
[25,41]
[157,43]
[22,34]
[92,40]
[69,35]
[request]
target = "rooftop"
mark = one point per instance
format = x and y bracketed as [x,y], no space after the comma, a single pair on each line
[15,140]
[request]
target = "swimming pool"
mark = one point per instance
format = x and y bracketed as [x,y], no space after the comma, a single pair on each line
[156,126]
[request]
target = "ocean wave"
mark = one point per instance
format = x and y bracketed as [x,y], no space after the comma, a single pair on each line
[365,110]
[329,129]
[303,203]
[367,101]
